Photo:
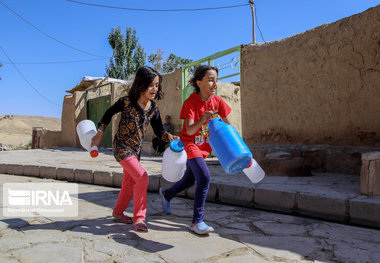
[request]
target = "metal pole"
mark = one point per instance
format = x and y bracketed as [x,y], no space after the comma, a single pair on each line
[253,21]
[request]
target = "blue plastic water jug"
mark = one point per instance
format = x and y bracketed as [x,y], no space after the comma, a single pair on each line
[232,152]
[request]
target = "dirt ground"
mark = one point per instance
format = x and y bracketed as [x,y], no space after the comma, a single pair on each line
[16,130]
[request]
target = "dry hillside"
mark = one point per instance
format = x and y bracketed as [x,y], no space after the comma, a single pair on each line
[16,130]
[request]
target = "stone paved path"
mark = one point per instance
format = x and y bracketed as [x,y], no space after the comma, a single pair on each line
[324,195]
[242,235]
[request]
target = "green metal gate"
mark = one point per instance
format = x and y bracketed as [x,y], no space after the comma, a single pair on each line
[227,62]
[96,107]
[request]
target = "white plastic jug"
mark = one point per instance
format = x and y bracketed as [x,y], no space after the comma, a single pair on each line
[254,172]
[174,161]
[86,131]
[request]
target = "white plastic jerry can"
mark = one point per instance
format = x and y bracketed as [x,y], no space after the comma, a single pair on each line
[174,161]
[254,172]
[86,131]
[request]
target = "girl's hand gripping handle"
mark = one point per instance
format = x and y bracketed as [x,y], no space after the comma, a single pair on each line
[97,139]
[172,137]
[206,117]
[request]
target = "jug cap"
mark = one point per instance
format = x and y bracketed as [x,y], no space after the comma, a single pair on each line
[94,151]
[177,145]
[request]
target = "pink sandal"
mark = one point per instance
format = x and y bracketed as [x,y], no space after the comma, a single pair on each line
[123,219]
[140,227]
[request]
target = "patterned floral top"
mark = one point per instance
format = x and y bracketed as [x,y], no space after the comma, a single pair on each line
[132,127]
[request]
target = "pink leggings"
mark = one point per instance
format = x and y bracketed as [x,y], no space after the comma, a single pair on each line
[135,182]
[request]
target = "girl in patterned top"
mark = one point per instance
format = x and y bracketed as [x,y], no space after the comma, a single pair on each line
[137,110]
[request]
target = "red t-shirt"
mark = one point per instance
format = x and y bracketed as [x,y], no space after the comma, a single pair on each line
[197,145]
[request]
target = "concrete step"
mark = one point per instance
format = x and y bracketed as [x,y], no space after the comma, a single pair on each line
[323,195]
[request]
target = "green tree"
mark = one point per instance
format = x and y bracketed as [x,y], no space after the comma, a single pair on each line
[156,59]
[128,54]
[174,62]
[166,65]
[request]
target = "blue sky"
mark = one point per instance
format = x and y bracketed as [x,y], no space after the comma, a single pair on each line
[38,89]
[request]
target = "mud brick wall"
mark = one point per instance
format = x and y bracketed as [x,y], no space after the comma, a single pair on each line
[318,87]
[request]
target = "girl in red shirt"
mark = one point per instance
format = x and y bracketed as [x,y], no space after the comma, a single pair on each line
[197,111]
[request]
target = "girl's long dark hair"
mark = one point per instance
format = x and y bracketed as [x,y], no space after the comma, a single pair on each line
[144,77]
[199,73]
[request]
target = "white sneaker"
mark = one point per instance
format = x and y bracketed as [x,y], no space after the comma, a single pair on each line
[201,228]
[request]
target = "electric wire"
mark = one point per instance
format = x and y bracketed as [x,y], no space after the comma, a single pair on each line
[158,10]
[49,36]
[55,62]
[26,80]
[257,24]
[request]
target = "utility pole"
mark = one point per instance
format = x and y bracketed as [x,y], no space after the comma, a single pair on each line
[253,21]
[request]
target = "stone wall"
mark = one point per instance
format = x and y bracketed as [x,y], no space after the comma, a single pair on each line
[370,174]
[318,87]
